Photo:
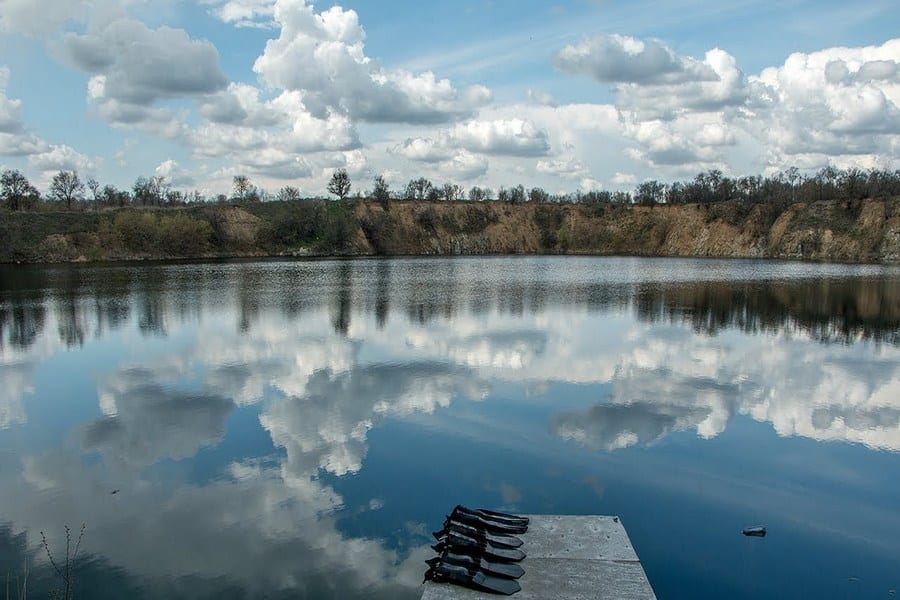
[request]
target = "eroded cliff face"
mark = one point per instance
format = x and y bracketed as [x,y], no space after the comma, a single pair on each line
[861,231]
[866,231]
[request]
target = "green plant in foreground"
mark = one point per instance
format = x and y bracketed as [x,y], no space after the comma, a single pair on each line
[67,573]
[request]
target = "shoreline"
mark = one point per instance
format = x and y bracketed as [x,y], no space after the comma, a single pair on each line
[224,258]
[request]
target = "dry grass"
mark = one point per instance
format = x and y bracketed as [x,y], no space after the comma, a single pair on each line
[17,586]
[20,589]
[67,572]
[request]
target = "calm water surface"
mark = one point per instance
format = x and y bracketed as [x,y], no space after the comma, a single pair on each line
[295,429]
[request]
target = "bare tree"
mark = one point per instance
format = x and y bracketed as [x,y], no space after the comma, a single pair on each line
[15,189]
[175,198]
[434,194]
[66,185]
[538,195]
[141,191]
[159,187]
[94,186]
[418,189]
[451,191]
[241,184]
[339,184]
[110,196]
[517,194]
[477,194]
[650,192]
[793,176]
[150,191]
[288,194]
[382,192]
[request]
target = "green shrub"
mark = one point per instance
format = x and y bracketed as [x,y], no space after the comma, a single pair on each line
[471,219]
[427,218]
[549,219]
[477,219]
[182,235]
[339,226]
[448,221]
[136,231]
[379,230]
[143,232]
[295,224]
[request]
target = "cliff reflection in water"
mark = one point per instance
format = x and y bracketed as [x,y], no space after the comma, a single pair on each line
[311,359]
[829,310]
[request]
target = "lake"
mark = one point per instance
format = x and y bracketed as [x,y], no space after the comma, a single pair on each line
[295,429]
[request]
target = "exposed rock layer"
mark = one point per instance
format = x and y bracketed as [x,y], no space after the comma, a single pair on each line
[866,231]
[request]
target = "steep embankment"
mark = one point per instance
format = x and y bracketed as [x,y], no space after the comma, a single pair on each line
[863,231]
[854,231]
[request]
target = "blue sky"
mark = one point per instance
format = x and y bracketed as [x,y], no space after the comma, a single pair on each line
[583,94]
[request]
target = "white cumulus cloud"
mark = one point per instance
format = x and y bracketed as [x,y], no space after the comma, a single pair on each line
[424,149]
[241,121]
[500,137]
[835,102]
[464,166]
[624,179]
[693,139]
[174,173]
[727,87]
[277,163]
[244,13]
[322,55]
[568,169]
[834,106]
[39,19]
[15,140]
[10,110]
[141,65]
[133,66]
[277,137]
[509,137]
[623,59]
[61,158]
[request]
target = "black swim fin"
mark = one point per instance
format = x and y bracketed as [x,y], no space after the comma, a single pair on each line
[472,578]
[505,541]
[487,524]
[500,517]
[463,544]
[494,555]
[507,570]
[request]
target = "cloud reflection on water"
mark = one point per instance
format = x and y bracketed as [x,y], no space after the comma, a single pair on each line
[320,404]
[803,388]
[324,356]
[147,421]
[326,428]
[266,534]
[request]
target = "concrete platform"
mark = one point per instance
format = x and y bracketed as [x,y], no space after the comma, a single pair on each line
[570,558]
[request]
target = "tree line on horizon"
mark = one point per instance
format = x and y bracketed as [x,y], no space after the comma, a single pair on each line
[67,190]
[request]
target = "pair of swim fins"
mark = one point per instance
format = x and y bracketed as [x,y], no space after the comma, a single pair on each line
[490,521]
[463,544]
[500,541]
[470,577]
[495,569]
[477,549]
